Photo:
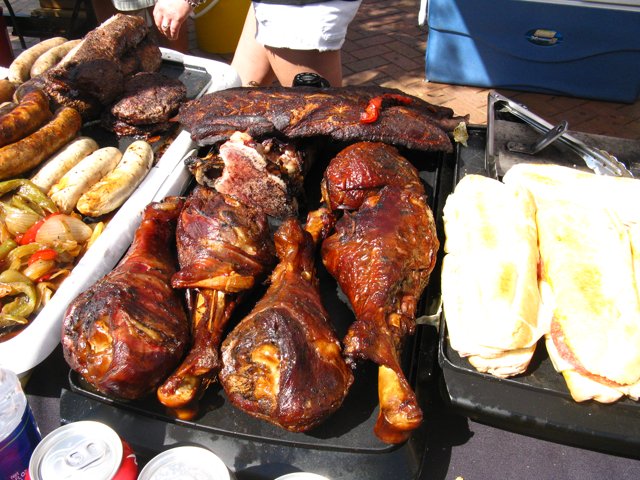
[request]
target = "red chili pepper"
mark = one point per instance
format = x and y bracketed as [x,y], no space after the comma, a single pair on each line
[374,107]
[30,235]
[372,111]
[44,254]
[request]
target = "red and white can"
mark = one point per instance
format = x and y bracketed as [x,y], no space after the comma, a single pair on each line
[83,450]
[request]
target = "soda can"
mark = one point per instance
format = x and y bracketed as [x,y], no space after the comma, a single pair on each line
[83,450]
[186,463]
[302,476]
[19,433]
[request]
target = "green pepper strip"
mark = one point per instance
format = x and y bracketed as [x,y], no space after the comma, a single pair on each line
[18,202]
[22,251]
[20,286]
[30,192]
[7,321]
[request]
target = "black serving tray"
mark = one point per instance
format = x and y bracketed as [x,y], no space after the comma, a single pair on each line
[344,446]
[537,402]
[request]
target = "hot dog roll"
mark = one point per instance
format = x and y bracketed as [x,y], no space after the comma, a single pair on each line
[30,114]
[63,161]
[19,70]
[21,156]
[52,57]
[66,192]
[115,187]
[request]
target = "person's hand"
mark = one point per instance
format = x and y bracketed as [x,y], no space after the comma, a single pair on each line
[169,15]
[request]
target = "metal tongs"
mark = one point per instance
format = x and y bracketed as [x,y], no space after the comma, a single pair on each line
[597,160]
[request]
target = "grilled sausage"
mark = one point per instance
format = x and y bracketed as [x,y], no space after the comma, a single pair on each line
[21,156]
[19,70]
[7,88]
[6,107]
[63,161]
[30,114]
[52,57]
[115,187]
[80,178]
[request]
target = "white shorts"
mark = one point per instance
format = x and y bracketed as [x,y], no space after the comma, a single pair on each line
[132,5]
[315,26]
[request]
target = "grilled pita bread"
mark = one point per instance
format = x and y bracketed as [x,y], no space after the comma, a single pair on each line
[489,275]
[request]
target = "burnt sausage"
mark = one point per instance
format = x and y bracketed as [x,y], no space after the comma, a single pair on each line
[23,155]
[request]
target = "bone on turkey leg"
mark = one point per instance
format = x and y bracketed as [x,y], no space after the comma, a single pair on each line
[129,330]
[224,249]
[381,256]
[283,362]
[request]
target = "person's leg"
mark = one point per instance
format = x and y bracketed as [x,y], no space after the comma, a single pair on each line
[287,63]
[250,58]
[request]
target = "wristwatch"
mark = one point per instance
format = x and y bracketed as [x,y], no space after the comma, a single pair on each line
[194,3]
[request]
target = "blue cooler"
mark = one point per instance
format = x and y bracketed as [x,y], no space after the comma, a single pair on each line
[588,49]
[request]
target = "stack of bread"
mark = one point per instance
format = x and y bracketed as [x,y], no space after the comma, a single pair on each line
[588,238]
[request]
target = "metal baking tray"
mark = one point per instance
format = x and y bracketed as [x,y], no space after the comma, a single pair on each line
[537,402]
[343,447]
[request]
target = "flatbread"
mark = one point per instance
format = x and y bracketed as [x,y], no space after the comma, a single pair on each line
[489,275]
[589,237]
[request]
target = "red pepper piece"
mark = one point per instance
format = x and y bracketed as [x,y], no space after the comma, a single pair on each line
[374,107]
[372,111]
[44,254]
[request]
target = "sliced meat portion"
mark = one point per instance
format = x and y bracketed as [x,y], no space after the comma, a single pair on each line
[149,97]
[123,129]
[267,175]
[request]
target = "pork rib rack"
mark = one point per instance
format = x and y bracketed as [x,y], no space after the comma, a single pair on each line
[128,331]
[283,362]
[224,249]
[303,112]
[381,254]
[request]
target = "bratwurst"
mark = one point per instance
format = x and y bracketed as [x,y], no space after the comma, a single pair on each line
[21,156]
[29,115]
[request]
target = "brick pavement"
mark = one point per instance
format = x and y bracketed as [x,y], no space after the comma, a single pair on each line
[386,46]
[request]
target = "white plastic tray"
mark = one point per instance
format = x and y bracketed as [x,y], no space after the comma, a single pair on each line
[36,342]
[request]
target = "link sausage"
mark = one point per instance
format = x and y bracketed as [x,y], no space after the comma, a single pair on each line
[21,156]
[116,187]
[52,57]
[80,178]
[63,161]
[30,114]
[19,69]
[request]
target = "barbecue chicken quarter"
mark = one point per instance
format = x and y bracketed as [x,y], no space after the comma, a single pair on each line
[283,363]
[381,254]
[224,250]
